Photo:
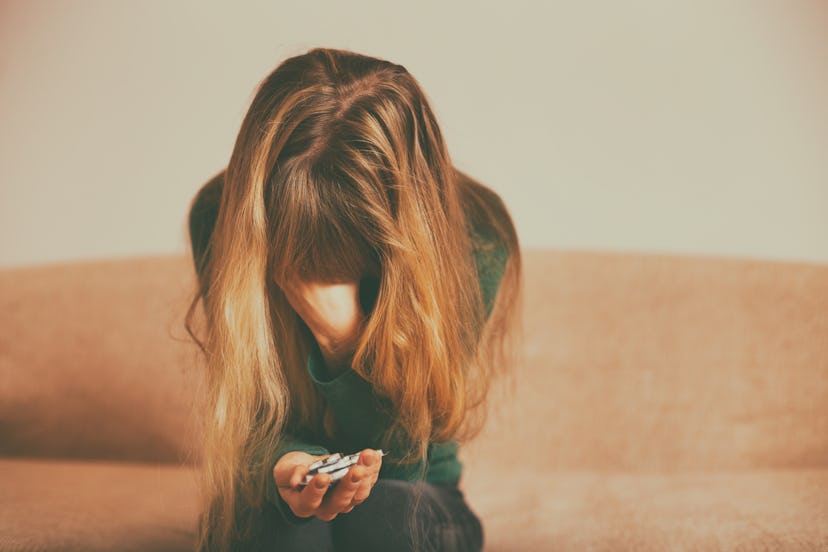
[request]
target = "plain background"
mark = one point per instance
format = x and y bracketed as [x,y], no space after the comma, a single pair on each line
[695,127]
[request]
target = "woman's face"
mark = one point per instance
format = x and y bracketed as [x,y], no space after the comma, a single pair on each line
[334,288]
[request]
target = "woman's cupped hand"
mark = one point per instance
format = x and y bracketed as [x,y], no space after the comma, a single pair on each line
[318,498]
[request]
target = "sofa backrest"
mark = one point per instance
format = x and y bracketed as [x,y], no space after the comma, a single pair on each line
[95,361]
[661,363]
[630,362]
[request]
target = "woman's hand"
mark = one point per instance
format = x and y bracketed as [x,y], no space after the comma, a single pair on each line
[333,314]
[312,499]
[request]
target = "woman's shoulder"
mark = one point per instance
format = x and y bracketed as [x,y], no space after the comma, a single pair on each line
[488,222]
[487,217]
[208,196]
[491,232]
[490,256]
[202,217]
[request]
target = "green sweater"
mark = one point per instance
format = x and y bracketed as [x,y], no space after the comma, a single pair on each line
[350,397]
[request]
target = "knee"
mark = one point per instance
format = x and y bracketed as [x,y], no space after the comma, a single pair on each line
[399,515]
[391,518]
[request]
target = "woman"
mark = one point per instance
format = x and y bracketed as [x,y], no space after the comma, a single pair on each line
[360,294]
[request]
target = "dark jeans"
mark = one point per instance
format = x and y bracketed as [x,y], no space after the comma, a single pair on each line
[396,516]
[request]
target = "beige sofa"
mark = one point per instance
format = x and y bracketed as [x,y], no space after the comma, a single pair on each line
[663,403]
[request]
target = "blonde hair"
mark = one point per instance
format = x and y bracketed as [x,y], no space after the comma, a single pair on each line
[339,168]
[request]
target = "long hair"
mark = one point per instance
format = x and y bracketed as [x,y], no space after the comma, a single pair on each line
[340,168]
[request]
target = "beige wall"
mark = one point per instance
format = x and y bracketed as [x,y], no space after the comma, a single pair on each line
[694,127]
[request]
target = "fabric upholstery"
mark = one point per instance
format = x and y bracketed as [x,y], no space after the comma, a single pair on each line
[661,402]
[96,505]
[95,361]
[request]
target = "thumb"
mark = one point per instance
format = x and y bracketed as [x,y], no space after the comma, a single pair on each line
[289,474]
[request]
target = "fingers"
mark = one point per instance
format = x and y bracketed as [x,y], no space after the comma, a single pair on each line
[368,466]
[303,501]
[297,475]
[361,494]
[342,495]
[372,461]
[284,473]
[310,498]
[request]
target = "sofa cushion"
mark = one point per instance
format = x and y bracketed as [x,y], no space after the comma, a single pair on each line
[609,511]
[53,505]
[97,506]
